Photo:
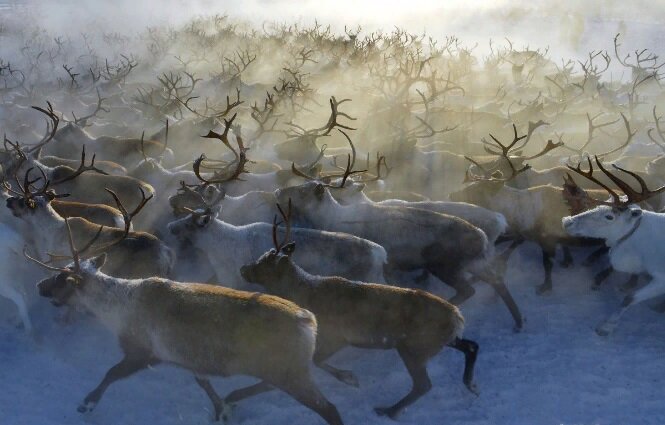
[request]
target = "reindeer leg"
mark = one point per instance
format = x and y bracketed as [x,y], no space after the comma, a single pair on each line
[455,280]
[653,289]
[594,256]
[548,264]
[304,390]
[600,277]
[631,284]
[324,350]
[417,367]
[221,408]
[499,286]
[567,257]
[505,255]
[129,365]
[247,392]
[470,350]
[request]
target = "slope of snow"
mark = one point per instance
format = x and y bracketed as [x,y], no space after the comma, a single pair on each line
[557,371]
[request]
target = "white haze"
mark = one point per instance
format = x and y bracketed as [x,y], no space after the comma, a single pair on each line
[571,28]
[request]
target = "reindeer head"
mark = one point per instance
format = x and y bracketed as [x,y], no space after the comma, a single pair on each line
[194,197]
[610,220]
[484,187]
[24,202]
[276,263]
[195,224]
[309,196]
[603,222]
[62,287]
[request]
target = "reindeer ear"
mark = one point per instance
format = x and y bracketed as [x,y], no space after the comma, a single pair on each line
[289,248]
[71,280]
[98,261]
[319,191]
[358,187]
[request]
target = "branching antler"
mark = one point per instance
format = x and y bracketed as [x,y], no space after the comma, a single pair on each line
[286,217]
[632,196]
[81,169]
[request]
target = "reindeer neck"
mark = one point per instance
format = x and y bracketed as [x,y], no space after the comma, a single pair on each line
[108,298]
[293,284]
[328,212]
[49,230]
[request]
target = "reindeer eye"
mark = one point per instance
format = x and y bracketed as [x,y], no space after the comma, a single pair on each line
[609,217]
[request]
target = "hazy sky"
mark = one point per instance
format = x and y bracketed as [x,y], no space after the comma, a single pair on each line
[568,26]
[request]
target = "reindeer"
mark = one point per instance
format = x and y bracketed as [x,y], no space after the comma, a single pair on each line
[367,315]
[445,246]
[345,255]
[631,233]
[107,167]
[82,186]
[126,152]
[208,330]
[252,207]
[137,254]
[533,214]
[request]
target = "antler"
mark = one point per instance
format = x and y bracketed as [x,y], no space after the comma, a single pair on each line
[379,159]
[629,137]
[659,130]
[505,150]
[497,176]
[632,195]
[76,253]
[82,169]
[616,199]
[550,146]
[83,121]
[51,127]
[287,221]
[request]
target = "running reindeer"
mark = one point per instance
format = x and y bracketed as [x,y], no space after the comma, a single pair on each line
[632,234]
[366,315]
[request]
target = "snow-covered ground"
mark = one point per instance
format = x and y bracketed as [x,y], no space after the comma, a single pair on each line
[557,371]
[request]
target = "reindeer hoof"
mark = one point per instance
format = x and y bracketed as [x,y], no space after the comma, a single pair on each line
[386,411]
[348,377]
[605,329]
[86,407]
[223,412]
[473,388]
[543,289]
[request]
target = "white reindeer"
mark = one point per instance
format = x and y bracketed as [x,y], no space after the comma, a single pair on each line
[634,236]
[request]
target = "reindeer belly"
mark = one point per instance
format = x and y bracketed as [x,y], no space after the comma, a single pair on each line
[627,261]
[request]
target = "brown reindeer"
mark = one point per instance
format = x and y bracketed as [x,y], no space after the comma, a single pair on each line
[366,315]
[209,330]
[137,254]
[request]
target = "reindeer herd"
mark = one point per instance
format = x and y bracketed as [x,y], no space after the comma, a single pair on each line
[251,237]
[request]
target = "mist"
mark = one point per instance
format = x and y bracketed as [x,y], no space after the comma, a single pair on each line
[424,178]
[570,28]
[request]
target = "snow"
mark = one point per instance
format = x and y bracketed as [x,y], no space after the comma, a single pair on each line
[556,371]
